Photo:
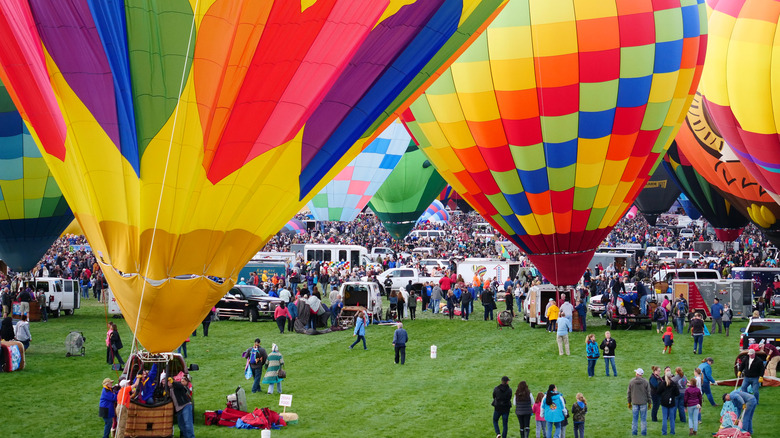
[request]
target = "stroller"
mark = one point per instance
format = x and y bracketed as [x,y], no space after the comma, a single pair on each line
[74,344]
[505,319]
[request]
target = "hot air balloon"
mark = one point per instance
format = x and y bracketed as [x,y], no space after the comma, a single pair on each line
[33,212]
[727,221]
[185,134]
[658,195]
[739,84]
[293,226]
[435,213]
[452,199]
[632,212]
[407,193]
[553,120]
[689,206]
[714,160]
[349,192]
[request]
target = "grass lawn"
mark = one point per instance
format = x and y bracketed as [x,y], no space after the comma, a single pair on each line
[341,392]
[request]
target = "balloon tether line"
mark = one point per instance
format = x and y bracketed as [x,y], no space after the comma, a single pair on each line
[165,174]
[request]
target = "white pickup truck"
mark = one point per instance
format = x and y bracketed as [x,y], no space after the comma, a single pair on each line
[401,277]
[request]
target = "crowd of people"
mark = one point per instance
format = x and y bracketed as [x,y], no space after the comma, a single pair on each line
[454,296]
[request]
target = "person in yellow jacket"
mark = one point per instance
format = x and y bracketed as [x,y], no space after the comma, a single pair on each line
[552,316]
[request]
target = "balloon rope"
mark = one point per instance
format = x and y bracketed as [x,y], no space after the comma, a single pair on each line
[165,174]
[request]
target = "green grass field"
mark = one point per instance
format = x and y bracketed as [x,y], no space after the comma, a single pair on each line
[339,392]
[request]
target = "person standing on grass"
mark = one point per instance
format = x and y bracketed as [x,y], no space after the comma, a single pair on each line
[275,362]
[592,351]
[668,392]
[727,317]
[582,313]
[608,346]
[488,303]
[692,400]
[182,403]
[655,396]
[638,398]
[697,331]
[106,407]
[502,404]
[578,411]
[751,368]
[682,384]
[400,338]
[115,342]
[552,315]
[541,423]
[465,304]
[257,357]
[562,334]
[553,406]
[41,297]
[524,403]
[716,310]
[282,315]
[122,404]
[360,330]
[668,339]
[436,298]
[452,301]
[706,379]
[411,304]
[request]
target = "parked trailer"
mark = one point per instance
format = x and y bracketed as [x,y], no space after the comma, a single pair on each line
[701,295]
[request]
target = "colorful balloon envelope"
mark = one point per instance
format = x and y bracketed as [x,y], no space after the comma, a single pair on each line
[632,212]
[349,192]
[33,212]
[452,199]
[435,213]
[727,221]
[293,226]
[690,208]
[407,193]
[658,195]
[553,120]
[739,84]
[185,134]
[712,158]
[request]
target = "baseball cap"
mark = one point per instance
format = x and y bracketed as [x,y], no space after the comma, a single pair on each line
[505,379]
[640,371]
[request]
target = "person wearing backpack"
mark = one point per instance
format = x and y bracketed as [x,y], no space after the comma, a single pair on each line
[660,318]
[680,312]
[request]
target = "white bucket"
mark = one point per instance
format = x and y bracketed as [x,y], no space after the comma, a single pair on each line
[433,352]
[265,433]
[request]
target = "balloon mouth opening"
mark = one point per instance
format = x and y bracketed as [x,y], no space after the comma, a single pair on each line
[159,282]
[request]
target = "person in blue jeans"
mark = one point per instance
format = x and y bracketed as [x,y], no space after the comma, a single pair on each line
[257,358]
[608,346]
[638,398]
[706,379]
[592,351]
[752,369]
[743,400]
[182,403]
[360,331]
[502,404]
[697,331]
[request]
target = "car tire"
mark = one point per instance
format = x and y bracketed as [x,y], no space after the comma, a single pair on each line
[253,315]
[56,313]
[68,312]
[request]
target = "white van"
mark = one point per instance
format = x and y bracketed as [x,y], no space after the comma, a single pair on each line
[61,295]
[687,274]
[356,255]
[426,234]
